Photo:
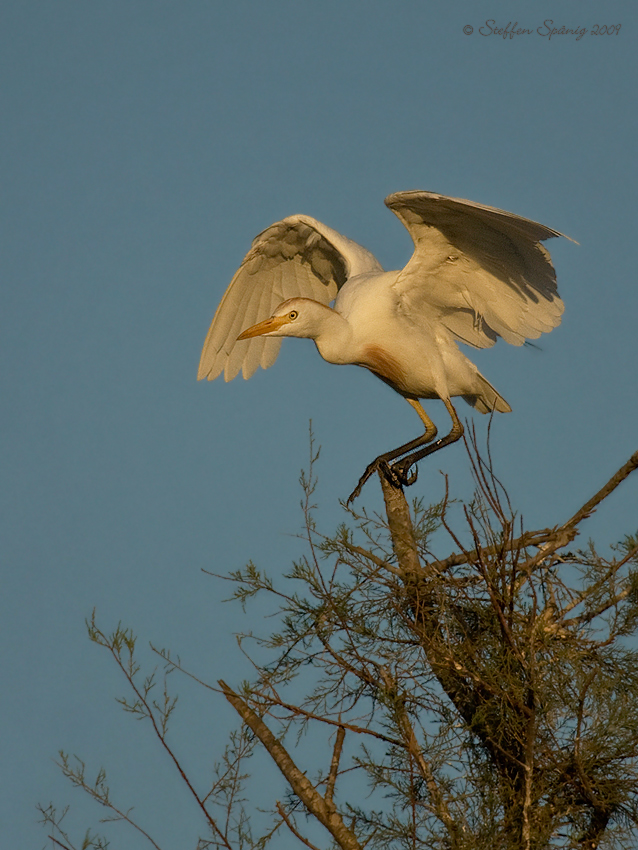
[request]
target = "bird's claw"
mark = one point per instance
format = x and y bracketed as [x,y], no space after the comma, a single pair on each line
[397,475]
[400,470]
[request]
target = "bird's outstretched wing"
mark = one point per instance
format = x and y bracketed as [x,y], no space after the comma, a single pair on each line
[481,272]
[295,257]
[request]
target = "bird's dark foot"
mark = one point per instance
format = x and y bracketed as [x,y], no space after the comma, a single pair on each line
[379,464]
[370,469]
[395,474]
[401,471]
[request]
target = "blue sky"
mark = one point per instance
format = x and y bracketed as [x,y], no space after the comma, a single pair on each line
[144,145]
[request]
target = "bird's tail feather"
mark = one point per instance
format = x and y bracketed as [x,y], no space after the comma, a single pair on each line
[488,399]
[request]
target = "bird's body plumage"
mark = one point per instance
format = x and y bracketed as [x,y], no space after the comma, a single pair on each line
[419,359]
[476,273]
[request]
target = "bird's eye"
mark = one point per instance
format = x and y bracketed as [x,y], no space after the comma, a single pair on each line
[293,315]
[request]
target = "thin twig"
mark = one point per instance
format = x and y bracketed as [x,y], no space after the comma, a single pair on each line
[293,829]
[59,843]
[162,738]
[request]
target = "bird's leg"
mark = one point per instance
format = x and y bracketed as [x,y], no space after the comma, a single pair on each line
[382,463]
[401,467]
[398,470]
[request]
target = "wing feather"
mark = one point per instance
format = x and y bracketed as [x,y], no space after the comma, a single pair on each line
[482,271]
[254,350]
[295,257]
[269,297]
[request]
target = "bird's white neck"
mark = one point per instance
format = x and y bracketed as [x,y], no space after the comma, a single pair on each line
[334,338]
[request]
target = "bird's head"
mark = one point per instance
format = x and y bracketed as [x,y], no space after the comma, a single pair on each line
[301,317]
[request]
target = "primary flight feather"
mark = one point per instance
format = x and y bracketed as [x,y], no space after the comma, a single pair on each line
[476,273]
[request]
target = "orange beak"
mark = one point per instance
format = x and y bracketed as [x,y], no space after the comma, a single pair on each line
[265,327]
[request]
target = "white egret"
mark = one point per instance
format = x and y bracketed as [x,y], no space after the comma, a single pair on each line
[477,273]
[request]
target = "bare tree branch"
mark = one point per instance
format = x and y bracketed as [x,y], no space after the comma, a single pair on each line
[334,764]
[605,491]
[324,811]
